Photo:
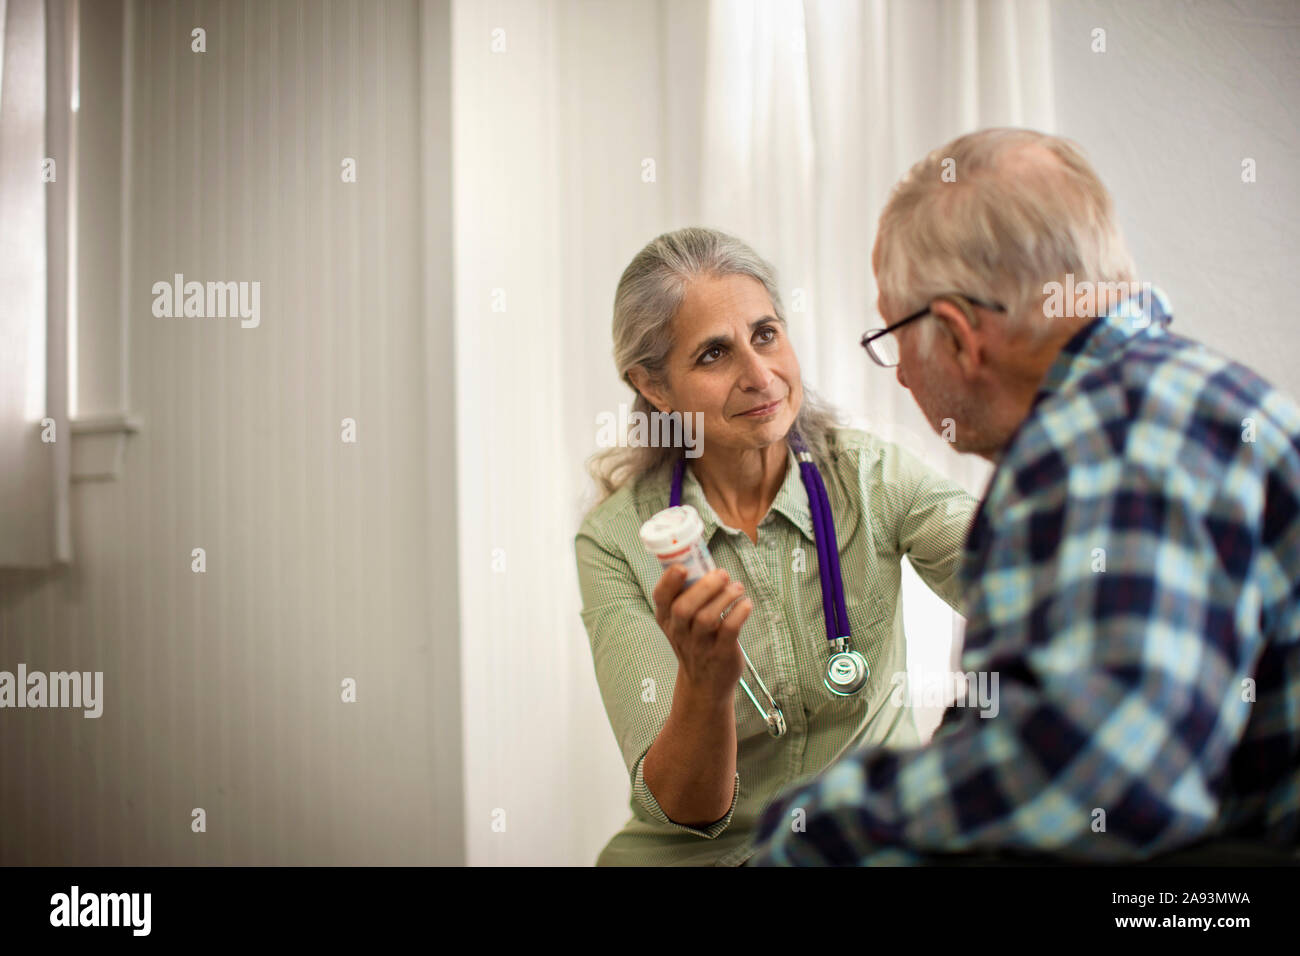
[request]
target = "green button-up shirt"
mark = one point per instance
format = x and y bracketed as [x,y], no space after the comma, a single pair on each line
[886,504]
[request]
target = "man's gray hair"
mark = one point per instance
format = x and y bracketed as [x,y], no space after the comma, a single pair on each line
[649,294]
[991,215]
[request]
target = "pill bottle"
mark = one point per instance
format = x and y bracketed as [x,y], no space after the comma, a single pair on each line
[676,536]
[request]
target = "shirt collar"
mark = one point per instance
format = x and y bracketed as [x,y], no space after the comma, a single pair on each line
[791,500]
[1130,321]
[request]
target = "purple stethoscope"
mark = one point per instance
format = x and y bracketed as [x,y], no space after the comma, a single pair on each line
[846,671]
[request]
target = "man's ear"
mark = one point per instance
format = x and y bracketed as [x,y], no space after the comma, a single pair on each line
[641,382]
[963,326]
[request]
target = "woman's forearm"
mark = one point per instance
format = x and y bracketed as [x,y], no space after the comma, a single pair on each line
[691,766]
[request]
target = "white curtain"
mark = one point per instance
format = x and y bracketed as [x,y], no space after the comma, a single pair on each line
[35,456]
[581,131]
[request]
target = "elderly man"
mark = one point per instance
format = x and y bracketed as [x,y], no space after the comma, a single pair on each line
[1133,572]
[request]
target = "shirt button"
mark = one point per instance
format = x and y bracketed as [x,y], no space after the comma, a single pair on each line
[771,544]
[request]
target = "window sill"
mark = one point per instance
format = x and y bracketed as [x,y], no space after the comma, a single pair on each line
[98,444]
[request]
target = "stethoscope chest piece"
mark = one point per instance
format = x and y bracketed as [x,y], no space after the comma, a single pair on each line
[846,672]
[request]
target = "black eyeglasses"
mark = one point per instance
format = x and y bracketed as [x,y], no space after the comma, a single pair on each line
[884,351]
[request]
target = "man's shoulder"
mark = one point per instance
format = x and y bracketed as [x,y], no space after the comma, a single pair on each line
[1166,404]
[1185,374]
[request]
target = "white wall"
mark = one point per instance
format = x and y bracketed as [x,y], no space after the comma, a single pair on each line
[325,560]
[1182,94]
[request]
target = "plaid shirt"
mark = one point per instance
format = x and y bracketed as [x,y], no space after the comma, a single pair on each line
[1133,579]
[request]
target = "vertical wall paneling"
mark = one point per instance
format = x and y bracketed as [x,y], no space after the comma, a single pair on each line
[223,689]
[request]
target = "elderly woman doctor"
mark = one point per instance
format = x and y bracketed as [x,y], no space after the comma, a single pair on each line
[799,540]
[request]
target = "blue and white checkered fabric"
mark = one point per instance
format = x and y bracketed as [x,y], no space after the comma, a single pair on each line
[1133,578]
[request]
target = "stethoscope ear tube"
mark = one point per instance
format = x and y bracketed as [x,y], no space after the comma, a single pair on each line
[772,715]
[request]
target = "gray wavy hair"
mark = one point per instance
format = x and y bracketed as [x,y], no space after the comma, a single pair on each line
[649,294]
[1000,229]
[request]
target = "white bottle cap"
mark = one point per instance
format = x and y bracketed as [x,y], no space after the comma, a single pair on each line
[672,531]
